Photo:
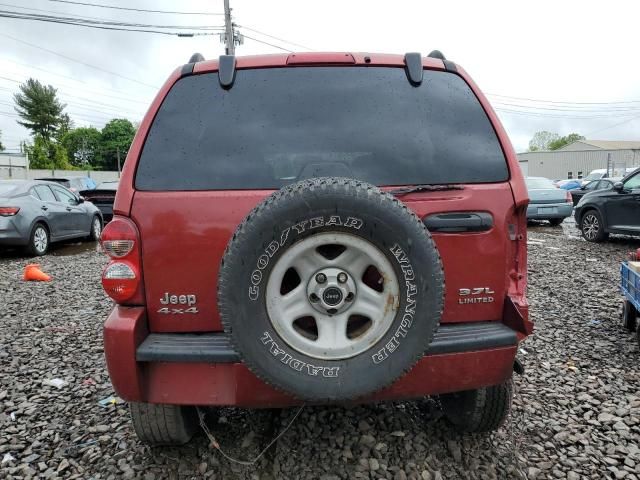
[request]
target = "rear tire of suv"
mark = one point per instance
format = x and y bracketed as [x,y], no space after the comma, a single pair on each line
[163,424]
[592,227]
[478,411]
[629,316]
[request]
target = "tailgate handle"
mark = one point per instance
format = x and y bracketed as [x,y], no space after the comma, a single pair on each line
[457,222]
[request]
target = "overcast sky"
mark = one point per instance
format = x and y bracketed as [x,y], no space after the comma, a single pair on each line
[577,60]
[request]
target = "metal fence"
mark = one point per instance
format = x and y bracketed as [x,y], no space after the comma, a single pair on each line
[14,167]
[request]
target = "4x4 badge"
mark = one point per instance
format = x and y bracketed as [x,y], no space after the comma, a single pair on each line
[475,295]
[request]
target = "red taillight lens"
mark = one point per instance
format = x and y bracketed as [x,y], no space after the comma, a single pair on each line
[120,281]
[569,197]
[122,277]
[9,211]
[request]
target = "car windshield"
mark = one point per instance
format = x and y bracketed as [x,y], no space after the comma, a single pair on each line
[539,183]
[276,126]
[594,176]
[7,189]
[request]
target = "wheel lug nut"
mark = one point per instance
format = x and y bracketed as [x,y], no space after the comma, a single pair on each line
[321,278]
[342,277]
[313,298]
[349,297]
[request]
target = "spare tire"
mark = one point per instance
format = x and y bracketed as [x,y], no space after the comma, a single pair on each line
[331,289]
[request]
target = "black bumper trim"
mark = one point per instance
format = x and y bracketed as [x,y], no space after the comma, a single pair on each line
[217,347]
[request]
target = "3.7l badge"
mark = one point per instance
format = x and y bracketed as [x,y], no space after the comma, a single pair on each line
[475,295]
[184,304]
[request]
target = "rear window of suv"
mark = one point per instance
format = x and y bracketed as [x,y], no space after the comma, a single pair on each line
[276,126]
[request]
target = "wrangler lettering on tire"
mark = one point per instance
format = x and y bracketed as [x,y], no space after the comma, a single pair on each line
[345,289]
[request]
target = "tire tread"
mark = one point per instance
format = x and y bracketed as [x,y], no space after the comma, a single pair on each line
[483,410]
[157,424]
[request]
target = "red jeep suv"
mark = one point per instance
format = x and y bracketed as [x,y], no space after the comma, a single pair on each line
[315,228]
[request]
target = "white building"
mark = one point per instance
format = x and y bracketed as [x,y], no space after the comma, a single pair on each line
[579,158]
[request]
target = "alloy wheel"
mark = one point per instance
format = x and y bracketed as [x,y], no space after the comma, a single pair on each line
[590,226]
[332,296]
[96,228]
[40,239]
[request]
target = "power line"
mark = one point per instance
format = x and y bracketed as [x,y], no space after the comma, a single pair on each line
[94,117]
[574,109]
[552,115]
[102,25]
[128,99]
[101,20]
[94,104]
[267,43]
[562,102]
[133,9]
[614,125]
[274,37]
[80,62]
[62,92]
[10,79]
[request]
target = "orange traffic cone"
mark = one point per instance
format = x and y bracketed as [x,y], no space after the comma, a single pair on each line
[32,272]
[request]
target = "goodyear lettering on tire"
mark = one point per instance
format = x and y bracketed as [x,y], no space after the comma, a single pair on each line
[300,227]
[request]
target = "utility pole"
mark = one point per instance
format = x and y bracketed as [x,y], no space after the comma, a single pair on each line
[230,47]
[118,155]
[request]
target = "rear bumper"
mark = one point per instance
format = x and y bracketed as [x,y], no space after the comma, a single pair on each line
[188,369]
[10,234]
[545,211]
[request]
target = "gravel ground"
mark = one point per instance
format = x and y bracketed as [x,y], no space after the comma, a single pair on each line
[576,413]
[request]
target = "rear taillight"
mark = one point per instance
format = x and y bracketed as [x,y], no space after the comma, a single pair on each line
[569,197]
[9,211]
[117,248]
[122,277]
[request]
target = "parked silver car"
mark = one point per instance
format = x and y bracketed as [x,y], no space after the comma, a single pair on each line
[35,213]
[547,202]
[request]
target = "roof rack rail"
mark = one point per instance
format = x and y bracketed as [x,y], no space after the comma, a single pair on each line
[196,57]
[413,63]
[437,54]
[448,64]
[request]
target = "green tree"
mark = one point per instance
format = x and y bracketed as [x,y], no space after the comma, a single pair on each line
[39,108]
[566,140]
[65,125]
[115,139]
[542,140]
[45,153]
[83,146]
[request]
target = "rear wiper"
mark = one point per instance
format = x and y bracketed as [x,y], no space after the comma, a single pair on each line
[424,188]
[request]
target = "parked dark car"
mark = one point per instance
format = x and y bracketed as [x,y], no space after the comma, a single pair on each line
[604,184]
[547,202]
[103,198]
[611,211]
[75,184]
[33,214]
